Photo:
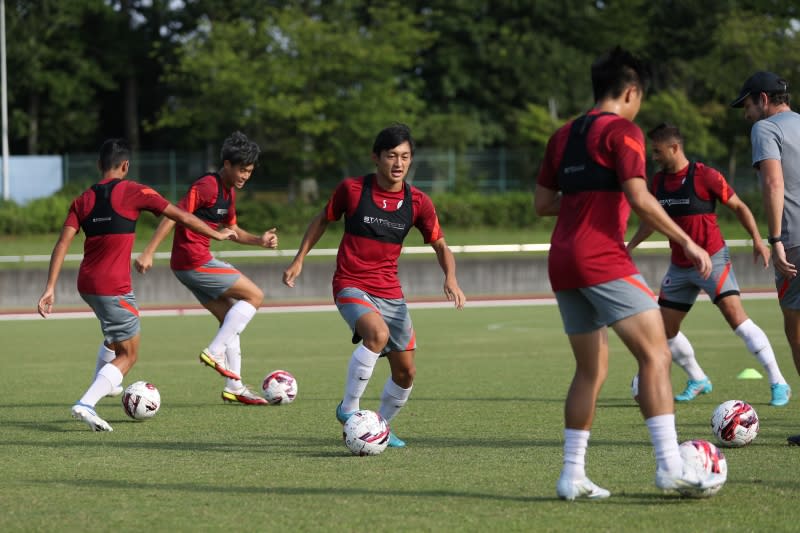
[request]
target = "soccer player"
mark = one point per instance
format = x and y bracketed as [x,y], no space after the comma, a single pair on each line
[593,173]
[688,192]
[107,213]
[379,210]
[775,137]
[228,294]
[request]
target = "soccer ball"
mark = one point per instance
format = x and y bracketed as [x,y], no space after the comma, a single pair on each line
[705,459]
[141,400]
[635,388]
[366,433]
[734,423]
[279,387]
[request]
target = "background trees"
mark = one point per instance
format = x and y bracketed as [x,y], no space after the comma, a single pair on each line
[312,81]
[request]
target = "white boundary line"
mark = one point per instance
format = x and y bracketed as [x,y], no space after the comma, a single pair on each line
[316,308]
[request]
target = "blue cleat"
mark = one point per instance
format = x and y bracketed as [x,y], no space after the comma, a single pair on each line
[341,416]
[694,388]
[781,392]
[395,441]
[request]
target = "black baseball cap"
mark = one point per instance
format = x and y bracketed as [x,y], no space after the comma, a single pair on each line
[761,82]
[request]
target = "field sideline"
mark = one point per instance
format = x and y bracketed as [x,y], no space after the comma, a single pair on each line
[483,429]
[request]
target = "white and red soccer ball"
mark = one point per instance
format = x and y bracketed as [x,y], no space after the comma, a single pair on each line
[707,461]
[141,400]
[735,423]
[366,433]
[279,387]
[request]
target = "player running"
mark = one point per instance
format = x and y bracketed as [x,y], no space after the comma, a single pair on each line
[107,212]
[379,210]
[688,192]
[227,293]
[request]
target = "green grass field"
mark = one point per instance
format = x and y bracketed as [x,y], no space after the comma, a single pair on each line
[483,428]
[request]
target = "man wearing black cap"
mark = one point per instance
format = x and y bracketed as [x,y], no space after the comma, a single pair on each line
[775,137]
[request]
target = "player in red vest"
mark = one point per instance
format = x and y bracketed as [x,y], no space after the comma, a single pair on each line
[379,210]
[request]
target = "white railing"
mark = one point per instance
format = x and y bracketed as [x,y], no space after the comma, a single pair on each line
[410,250]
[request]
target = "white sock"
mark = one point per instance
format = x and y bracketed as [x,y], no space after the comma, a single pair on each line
[393,398]
[104,355]
[757,342]
[106,380]
[664,437]
[233,356]
[359,370]
[683,356]
[575,443]
[235,321]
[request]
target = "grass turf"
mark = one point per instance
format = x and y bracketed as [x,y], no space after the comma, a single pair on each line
[483,428]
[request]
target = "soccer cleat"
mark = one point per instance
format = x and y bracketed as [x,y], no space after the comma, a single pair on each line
[694,388]
[395,441]
[218,364]
[116,391]
[781,392]
[243,395]
[793,440]
[341,416]
[687,480]
[570,490]
[87,415]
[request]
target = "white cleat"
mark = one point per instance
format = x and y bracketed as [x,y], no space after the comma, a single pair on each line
[570,490]
[87,415]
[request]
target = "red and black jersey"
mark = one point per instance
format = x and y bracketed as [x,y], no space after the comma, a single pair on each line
[689,196]
[210,201]
[376,222]
[588,243]
[107,212]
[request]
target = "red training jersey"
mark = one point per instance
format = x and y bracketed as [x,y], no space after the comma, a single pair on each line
[588,242]
[106,266]
[368,264]
[703,229]
[190,249]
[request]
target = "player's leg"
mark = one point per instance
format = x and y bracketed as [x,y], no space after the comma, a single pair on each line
[757,344]
[104,356]
[235,390]
[119,321]
[589,341]
[679,291]
[371,332]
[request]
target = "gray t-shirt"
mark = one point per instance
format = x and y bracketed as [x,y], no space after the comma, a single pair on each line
[778,137]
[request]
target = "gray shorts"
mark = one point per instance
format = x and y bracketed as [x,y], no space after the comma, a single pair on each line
[591,308]
[681,285]
[118,315]
[354,303]
[789,289]
[209,281]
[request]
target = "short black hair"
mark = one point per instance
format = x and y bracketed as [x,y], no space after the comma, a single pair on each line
[394,135]
[614,71]
[665,132]
[113,153]
[239,150]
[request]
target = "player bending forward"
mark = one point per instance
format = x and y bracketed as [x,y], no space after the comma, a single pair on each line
[379,210]
[228,294]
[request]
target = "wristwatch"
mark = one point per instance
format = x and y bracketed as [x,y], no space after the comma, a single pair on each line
[773,240]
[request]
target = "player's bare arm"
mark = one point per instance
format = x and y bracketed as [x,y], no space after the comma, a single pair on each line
[448,264]
[651,213]
[269,239]
[643,232]
[546,202]
[748,222]
[47,300]
[771,174]
[144,262]
[316,228]
[198,226]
